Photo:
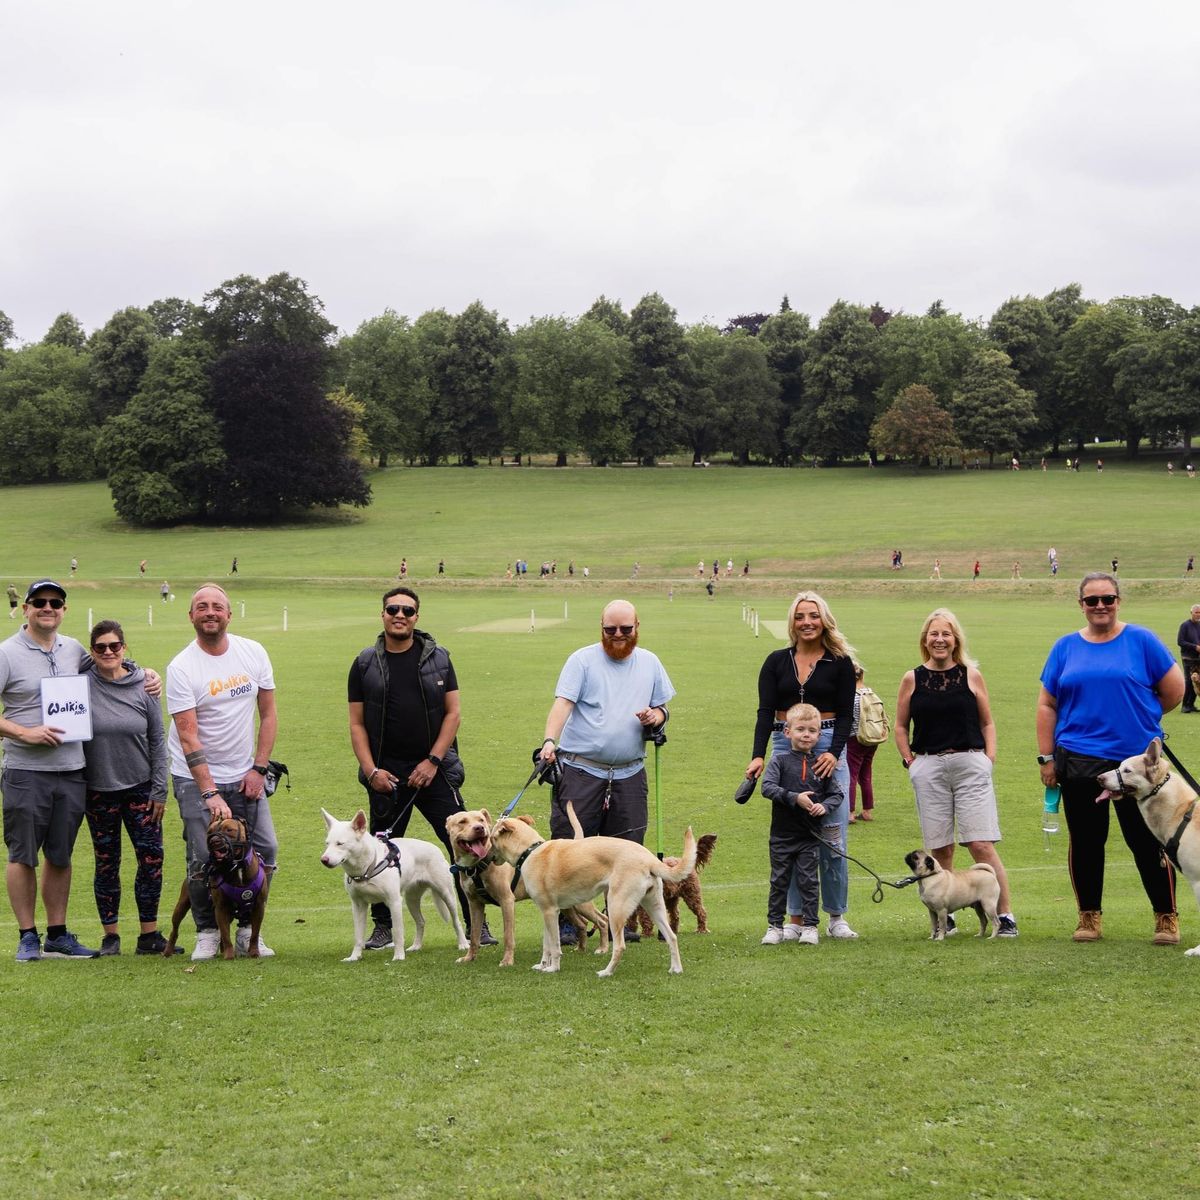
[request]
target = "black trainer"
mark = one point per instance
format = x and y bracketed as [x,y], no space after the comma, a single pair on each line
[380,939]
[485,936]
[152,943]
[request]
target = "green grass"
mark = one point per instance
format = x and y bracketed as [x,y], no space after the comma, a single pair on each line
[884,1067]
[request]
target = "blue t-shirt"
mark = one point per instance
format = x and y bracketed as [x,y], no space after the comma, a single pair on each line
[606,694]
[1105,692]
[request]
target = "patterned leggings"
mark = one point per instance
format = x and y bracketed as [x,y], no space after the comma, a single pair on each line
[105,813]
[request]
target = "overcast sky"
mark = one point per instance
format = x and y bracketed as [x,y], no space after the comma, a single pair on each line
[534,155]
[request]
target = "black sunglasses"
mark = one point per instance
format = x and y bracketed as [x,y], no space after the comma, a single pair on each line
[42,601]
[611,630]
[1108,601]
[107,647]
[394,610]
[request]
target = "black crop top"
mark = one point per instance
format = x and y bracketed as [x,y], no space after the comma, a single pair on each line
[830,688]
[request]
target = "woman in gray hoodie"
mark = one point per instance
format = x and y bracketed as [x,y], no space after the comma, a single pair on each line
[126,784]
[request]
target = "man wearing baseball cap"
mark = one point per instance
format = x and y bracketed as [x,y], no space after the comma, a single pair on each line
[42,781]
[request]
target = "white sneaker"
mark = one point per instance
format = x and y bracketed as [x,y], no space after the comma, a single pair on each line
[808,935]
[242,944]
[208,944]
[791,932]
[773,936]
[838,928]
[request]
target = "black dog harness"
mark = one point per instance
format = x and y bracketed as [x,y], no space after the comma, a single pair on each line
[1171,849]
[475,875]
[521,862]
[390,859]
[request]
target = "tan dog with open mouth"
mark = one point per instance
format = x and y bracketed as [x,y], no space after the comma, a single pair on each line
[484,880]
[944,892]
[559,874]
[1167,806]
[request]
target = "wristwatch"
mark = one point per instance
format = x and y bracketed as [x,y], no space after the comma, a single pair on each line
[260,770]
[433,758]
[1043,759]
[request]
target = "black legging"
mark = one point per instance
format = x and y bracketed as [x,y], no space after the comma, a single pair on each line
[435,803]
[1087,824]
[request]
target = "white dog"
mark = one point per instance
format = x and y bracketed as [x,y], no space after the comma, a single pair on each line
[374,873]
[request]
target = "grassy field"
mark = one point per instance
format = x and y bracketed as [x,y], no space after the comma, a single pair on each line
[882,1067]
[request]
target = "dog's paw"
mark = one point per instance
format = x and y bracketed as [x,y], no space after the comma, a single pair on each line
[1194,952]
[398,956]
[466,957]
[506,962]
[675,970]
[355,957]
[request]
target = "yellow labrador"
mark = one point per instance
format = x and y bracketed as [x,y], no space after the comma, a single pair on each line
[484,880]
[558,874]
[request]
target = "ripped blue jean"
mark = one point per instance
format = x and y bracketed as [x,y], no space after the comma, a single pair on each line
[834,870]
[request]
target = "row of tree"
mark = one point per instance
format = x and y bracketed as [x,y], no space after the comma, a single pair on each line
[248,404]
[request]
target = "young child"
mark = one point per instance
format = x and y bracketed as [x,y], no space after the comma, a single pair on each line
[801,805]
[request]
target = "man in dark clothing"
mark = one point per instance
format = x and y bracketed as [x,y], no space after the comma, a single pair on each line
[404,717]
[1189,655]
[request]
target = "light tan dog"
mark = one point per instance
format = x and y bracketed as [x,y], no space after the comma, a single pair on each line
[558,874]
[484,880]
[944,892]
[1167,806]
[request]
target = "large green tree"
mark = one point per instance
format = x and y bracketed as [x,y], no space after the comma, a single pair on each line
[120,352]
[841,378]
[164,453]
[477,375]
[915,428]
[65,330]
[932,351]
[383,369]
[277,309]
[991,411]
[747,398]
[658,377]
[786,338]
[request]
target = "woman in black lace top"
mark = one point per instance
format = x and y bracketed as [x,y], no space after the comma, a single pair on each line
[950,753]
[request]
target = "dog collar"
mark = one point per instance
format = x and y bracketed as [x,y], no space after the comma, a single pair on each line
[521,862]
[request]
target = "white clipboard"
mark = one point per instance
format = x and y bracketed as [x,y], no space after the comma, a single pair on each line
[67,705]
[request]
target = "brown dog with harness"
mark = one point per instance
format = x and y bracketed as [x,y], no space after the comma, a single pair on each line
[238,882]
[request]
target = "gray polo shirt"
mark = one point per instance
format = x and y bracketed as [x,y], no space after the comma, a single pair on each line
[23,666]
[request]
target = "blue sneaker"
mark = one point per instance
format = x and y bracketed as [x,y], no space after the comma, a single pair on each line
[67,946]
[29,948]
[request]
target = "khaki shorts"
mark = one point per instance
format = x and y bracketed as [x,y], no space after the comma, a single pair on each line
[956,801]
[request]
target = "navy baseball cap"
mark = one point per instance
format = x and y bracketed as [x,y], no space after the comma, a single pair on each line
[45,585]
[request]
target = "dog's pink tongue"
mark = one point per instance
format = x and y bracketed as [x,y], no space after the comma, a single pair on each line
[479,849]
[1105,795]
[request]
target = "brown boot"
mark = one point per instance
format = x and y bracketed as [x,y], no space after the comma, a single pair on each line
[1088,929]
[1166,929]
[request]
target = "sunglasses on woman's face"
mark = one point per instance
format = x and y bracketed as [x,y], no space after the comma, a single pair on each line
[1108,601]
[107,647]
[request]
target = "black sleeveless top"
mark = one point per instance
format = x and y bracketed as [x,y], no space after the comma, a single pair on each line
[944,712]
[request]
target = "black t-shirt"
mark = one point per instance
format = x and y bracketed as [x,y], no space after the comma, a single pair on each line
[406,733]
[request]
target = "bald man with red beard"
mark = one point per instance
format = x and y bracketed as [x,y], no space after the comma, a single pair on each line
[610,697]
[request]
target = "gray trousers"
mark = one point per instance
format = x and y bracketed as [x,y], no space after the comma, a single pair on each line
[800,854]
[196,818]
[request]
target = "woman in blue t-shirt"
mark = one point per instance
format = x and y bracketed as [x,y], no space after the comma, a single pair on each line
[1104,691]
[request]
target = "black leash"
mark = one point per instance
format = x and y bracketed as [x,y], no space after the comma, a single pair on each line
[383,837]
[880,884]
[1179,766]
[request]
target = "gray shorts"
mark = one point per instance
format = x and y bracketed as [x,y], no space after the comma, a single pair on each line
[956,801]
[42,811]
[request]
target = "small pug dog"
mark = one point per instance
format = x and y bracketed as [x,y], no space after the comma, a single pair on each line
[944,892]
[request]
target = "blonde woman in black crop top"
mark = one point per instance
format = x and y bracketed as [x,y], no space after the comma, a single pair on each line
[950,752]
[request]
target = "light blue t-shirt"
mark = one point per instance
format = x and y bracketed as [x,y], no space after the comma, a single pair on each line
[606,694]
[1105,692]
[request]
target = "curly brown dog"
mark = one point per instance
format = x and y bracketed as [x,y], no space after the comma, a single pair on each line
[688,891]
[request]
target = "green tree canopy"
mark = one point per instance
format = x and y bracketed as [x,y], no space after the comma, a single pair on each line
[915,428]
